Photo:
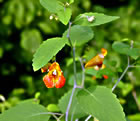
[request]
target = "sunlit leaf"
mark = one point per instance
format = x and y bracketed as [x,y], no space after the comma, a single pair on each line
[91,72]
[94,19]
[52,5]
[64,15]
[26,111]
[123,48]
[57,7]
[134,117]
[101,103]
[46,51]
[75,108]
[79,34]
[66,1]
[53,108]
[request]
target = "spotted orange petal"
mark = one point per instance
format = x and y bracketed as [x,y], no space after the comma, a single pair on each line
[95,61]
[61,82]
[48,80]
[54,77]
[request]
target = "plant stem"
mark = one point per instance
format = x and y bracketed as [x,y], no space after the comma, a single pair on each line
[69,104]
[74,67]
[83,73]
[73,52]
[128,65]
[136,99]
[132,66]
[48,113]
[68,35]
[88,117]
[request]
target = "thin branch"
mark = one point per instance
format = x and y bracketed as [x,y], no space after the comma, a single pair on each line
[69,104]
[128,62]
[72,117]
[132,66]
[55,117]
[122,74]
[44,113]
[60,117]
[136,99]
[74,67]
[83,72]
[73,113]
[134,94]
[68,35]
[88,117]
[73,51]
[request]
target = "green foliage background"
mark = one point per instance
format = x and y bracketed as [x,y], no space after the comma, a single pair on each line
[24,24]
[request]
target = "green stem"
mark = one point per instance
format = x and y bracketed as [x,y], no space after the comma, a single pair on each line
[73,52]
[74,67]
[128,65]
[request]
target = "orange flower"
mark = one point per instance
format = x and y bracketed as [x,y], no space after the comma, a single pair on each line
[97,61]
[45,68]
[104,51]
[105,76]
[54,77]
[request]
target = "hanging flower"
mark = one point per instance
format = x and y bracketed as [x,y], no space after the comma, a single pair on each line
[105,76]
[97,61]
[45,68]
[55,77]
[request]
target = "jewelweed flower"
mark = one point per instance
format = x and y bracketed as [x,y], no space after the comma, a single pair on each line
[45,68]
[97,61]
[105,76]
[104,51]
[54,77]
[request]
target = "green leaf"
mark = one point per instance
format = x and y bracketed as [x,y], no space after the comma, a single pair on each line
[101,103]
[134,117]
[126,49]
[91,72]
[57,7]
[64,15]
[126,88]
[30,40]
[105,71]
[25,111]
[75,108]
[53,108]
[52,5]
[46,51]
[71,1]
[120,47]
[99,18]
[67,1]
[79,34]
